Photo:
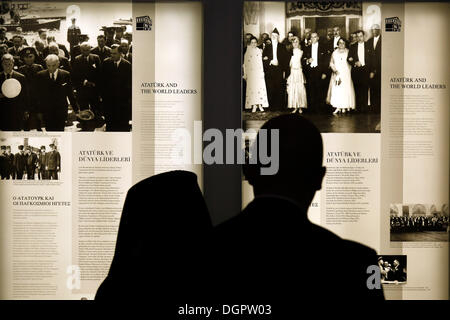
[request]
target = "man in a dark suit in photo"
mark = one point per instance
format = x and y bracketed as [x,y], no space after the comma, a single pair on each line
[125,49]
[55,87]
[101,49]
[16,48]
[30,69]
[374,45]
[3,162]
[13,110]
[9,164]
[73,34]
[116,91]
[316,62]
[20,163]
[42,160]
[271,250]
[276,65]
[264,38]
[40,56]
[86,78]
[333,42]
[53,163]
[31,163]
[359,57]
[306,41]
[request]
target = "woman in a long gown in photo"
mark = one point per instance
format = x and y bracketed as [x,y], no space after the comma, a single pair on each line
[295,82]
[341,94]
[256,93]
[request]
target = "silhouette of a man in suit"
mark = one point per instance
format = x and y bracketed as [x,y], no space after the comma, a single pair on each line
[265,251]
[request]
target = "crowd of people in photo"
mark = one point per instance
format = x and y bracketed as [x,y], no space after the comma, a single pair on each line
[311,73]
[95,83]
[30,163]
[419,223]
[391,271]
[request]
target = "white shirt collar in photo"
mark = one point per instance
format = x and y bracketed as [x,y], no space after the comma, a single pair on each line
[361,53]
[335,41]
[274,51]
[314,54]
[375,41]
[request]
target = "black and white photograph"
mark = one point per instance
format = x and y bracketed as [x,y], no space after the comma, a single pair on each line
[318,59]
[33,158]
[65,66]
[419,222]
[393,269]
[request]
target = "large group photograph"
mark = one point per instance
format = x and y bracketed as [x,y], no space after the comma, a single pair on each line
[419,222]
[65,66]
[321,60]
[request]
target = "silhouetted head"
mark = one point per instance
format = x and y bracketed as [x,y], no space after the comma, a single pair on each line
[161,239]
[163,213]
[300,171]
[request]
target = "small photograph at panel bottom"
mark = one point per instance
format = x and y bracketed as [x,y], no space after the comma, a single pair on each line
[33,158]
[392,268]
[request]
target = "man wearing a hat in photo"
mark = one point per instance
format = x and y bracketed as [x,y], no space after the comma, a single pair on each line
[55,88]
[31,163]
[119,34]
[53,163]
[30,70]
[73,33]
[276,65]
[20,163]
[12,96]
[109,35]
[41,163]
[374,45]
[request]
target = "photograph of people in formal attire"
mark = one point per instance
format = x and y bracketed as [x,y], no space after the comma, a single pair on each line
[392,269]
[33,158]
[419,222]
[322,60]
[67,69]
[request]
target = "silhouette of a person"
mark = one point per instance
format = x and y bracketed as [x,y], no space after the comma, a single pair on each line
[161,244]
[271,250]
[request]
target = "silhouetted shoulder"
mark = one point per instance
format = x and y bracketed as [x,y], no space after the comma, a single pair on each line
[357,248]
[176,176]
